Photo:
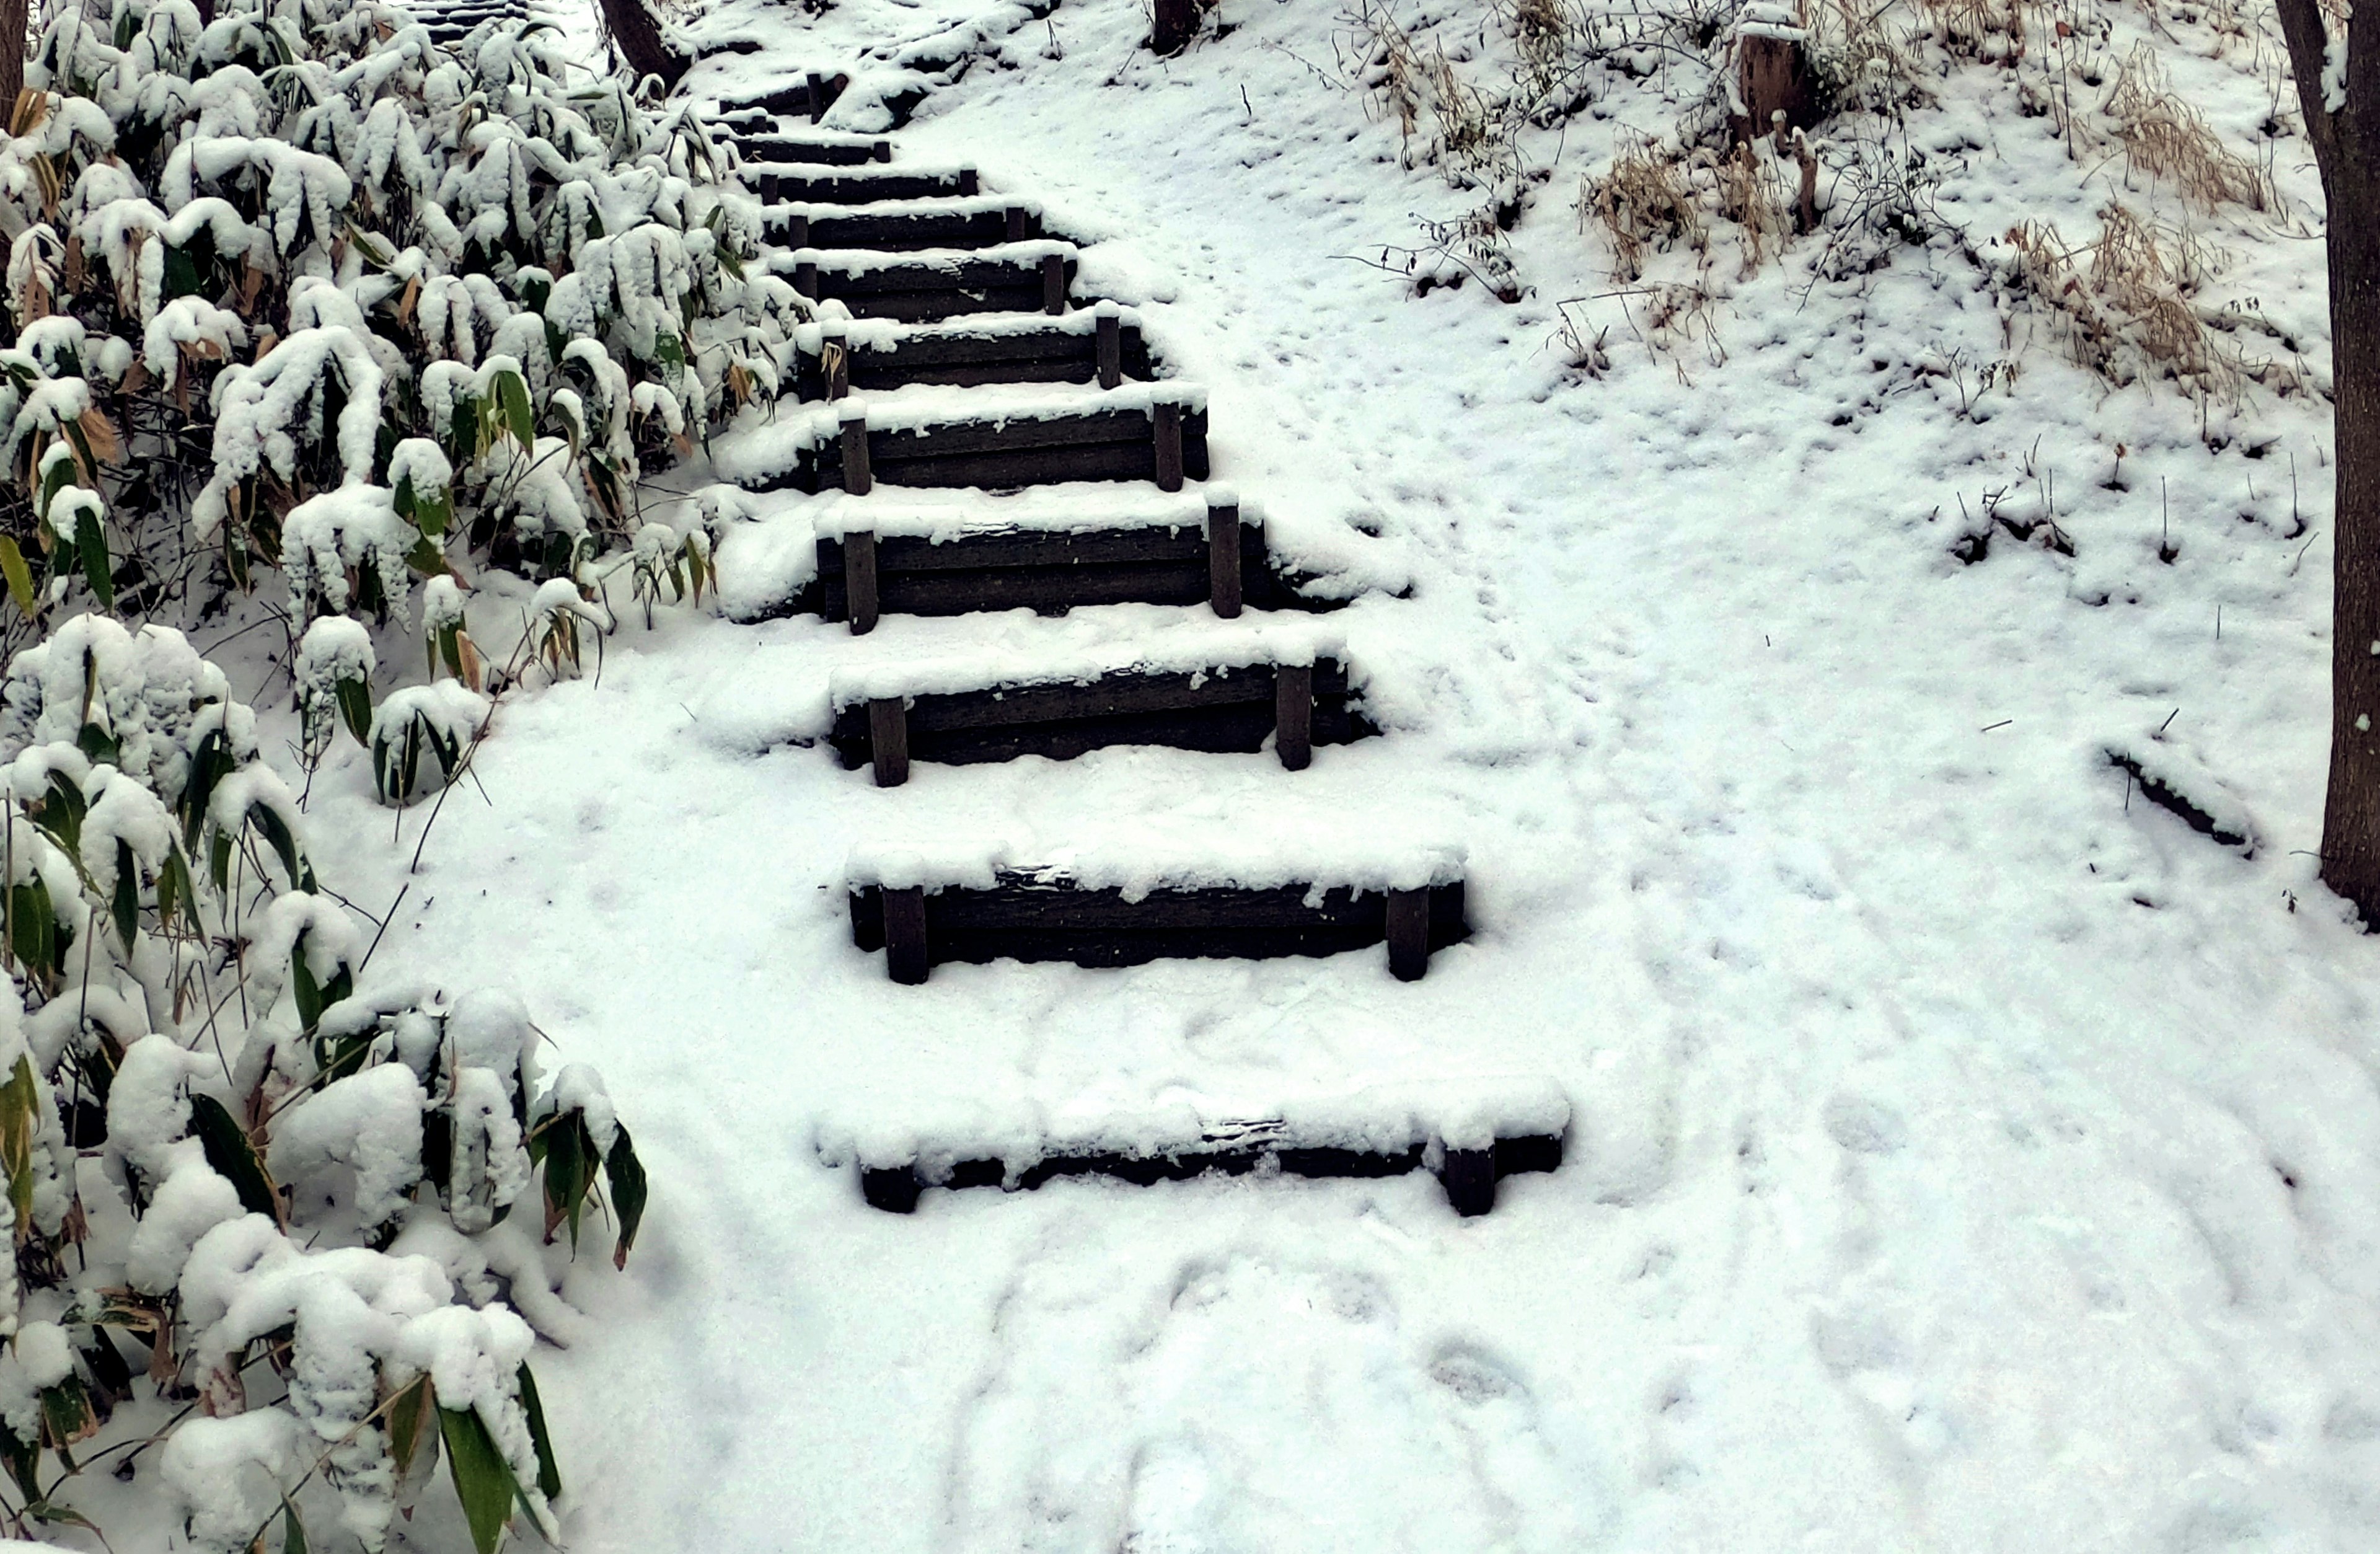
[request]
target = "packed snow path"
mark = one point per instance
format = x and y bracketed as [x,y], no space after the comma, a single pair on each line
[1960,1159]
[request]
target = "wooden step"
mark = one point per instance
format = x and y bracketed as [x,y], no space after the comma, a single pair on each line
[1046,550]
[925,910]
[904,226]
[781,182]
[764,147]
[1470,1134]
[1100,345]
[809,96]
[1028,277]
[992,438]
[1213,696]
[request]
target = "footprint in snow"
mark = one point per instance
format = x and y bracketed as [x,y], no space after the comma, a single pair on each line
[1250,1404]
[1864,1126]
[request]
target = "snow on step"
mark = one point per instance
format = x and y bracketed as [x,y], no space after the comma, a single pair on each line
[1224,688]
[778,181]
[867,102]
[759,136]
[1045,548]
[1260,890]
[1103,344]
[943,221]
[1469,1131]
[991,435]
[1033,275]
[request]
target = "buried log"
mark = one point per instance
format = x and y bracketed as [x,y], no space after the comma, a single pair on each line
[2173,801]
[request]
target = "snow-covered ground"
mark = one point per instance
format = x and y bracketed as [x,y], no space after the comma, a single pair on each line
[1966,1155]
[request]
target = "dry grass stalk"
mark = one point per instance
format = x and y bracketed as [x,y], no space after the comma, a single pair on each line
[1642,202]
[1747,196]
[2130,309]
[2167,139]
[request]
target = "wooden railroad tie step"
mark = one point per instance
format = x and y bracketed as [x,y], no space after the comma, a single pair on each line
[985,438]
[761,143]
[1033,276]
[972,914]
[1215,700]
[810,96]
[1471,1135]
[784,183]
[1187,550]
[957,222]
[1101,345]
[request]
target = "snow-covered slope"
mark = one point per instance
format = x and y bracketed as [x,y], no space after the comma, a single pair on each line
[1966,1154]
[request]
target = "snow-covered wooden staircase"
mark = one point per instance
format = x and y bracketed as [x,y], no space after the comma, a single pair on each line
[979,433]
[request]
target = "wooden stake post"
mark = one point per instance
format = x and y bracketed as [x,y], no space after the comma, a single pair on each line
[1292,716]
[1223,552]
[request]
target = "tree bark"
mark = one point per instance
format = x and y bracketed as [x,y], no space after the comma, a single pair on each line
[2344,138]
[637,36]
[12,53]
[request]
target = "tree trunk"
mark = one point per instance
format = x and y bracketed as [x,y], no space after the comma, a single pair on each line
[12,53]
[2350,820]
[2340,100]
[639,38]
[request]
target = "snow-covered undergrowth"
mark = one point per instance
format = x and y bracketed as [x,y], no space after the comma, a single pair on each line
[290,1197]
[298,287]
[312,320]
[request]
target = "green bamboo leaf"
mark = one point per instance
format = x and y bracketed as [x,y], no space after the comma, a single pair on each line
[23,1462]
[483,1480]
[33,925]
[293,1532]
[126,902]
[276,833]
[20,577]
[408,1425]
[302,985]
[21,1124]
[548,1473]
[627,1175]
[355,708]
[90,544]
[66,1414]
[208,767]
[175,877]
[512,391]
[569,1171]
[232,1157]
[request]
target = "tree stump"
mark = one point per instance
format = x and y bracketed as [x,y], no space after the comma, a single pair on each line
[1773,77]
[1177,23]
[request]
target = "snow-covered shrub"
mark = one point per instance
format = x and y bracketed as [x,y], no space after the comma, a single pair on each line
[293,1193]
[301,286]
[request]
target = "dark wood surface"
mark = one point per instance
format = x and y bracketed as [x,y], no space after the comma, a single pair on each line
[1469,1175]
[1051,572]
[1028,919]
[907,232]
[1043,356]
[1216,710]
